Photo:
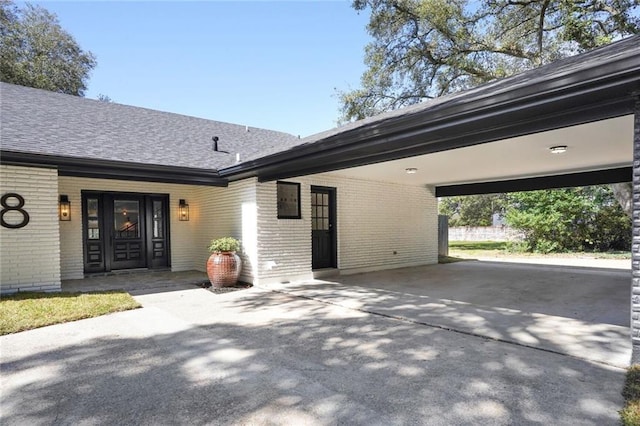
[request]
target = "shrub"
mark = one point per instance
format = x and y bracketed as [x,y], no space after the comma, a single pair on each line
[570,219]
[224,244]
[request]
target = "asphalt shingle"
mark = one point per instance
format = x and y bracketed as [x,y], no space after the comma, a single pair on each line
[42,122]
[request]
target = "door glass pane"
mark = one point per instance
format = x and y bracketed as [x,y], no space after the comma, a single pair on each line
[93,230]
[320,212]
[158,230]
[92,207]
[126,217]
[93,220]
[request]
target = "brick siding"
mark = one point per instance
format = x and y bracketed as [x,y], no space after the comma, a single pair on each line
[379,225]
[228,212]
[635,246]
[30,258]
[374,220]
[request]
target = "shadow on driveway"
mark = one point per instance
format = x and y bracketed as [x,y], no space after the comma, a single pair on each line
[260,357]
[580,312]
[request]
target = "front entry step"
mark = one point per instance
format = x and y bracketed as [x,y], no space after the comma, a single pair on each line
[326,272]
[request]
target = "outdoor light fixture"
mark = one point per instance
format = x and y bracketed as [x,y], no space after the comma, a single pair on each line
[64,208]
[183,210]
[411,170]
[558,149]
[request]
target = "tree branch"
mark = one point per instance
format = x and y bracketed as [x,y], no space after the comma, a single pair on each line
[541,29]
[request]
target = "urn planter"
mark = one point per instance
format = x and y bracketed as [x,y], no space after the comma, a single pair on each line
[223,269]
[224,265]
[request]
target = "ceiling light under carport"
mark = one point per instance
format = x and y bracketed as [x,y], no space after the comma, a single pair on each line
[411,170]
[558,149]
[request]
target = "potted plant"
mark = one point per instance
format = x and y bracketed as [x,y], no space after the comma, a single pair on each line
[224,265]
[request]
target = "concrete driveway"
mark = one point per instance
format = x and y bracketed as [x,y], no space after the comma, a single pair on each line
[578,311]
[285,357]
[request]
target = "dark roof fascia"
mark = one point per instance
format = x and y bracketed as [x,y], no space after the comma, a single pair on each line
[606,89]
[598,177]
[104,169]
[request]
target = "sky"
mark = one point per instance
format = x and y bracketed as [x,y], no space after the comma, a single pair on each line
[275,65]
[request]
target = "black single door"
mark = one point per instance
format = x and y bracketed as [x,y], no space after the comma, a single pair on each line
[127,233]
[323,236]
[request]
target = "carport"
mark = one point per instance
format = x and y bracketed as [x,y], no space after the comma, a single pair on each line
[498,138]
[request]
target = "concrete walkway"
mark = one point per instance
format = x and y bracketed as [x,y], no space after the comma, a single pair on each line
[261,357]
[136,281]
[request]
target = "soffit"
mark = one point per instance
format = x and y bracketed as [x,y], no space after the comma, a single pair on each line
[598,145]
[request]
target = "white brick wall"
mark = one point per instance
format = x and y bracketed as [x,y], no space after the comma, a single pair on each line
[229,212]
[30,256]
[184,252]
[284,245]
[374,220]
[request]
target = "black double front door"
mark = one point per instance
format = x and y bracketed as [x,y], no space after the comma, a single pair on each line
[323,235]
[125,231]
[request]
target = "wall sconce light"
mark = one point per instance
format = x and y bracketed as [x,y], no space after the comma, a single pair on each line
[64,208]
[183,210]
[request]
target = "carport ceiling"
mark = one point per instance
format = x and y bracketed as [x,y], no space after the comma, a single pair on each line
[604,144]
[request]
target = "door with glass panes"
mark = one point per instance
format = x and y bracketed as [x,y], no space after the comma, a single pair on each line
[124,231]
[323,231]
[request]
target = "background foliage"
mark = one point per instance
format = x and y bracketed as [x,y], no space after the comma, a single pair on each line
[569,219]
[472,210]
[36,52]
[423,49]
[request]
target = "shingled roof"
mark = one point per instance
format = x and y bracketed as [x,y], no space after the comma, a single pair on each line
[41,122]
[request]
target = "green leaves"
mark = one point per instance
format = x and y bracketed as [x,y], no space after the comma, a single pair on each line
[427,48]
[472,210]
[583,219]
[568,219]
[224,244]
[36,52]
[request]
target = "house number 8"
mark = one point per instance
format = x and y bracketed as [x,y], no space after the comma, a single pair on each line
[16,207]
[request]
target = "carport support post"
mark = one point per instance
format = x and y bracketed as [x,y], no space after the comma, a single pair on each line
[635,244]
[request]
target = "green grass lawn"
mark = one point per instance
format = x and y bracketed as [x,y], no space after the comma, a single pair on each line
[472,249]
[25,311]
[478,245]
[475,249]
[630,414]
